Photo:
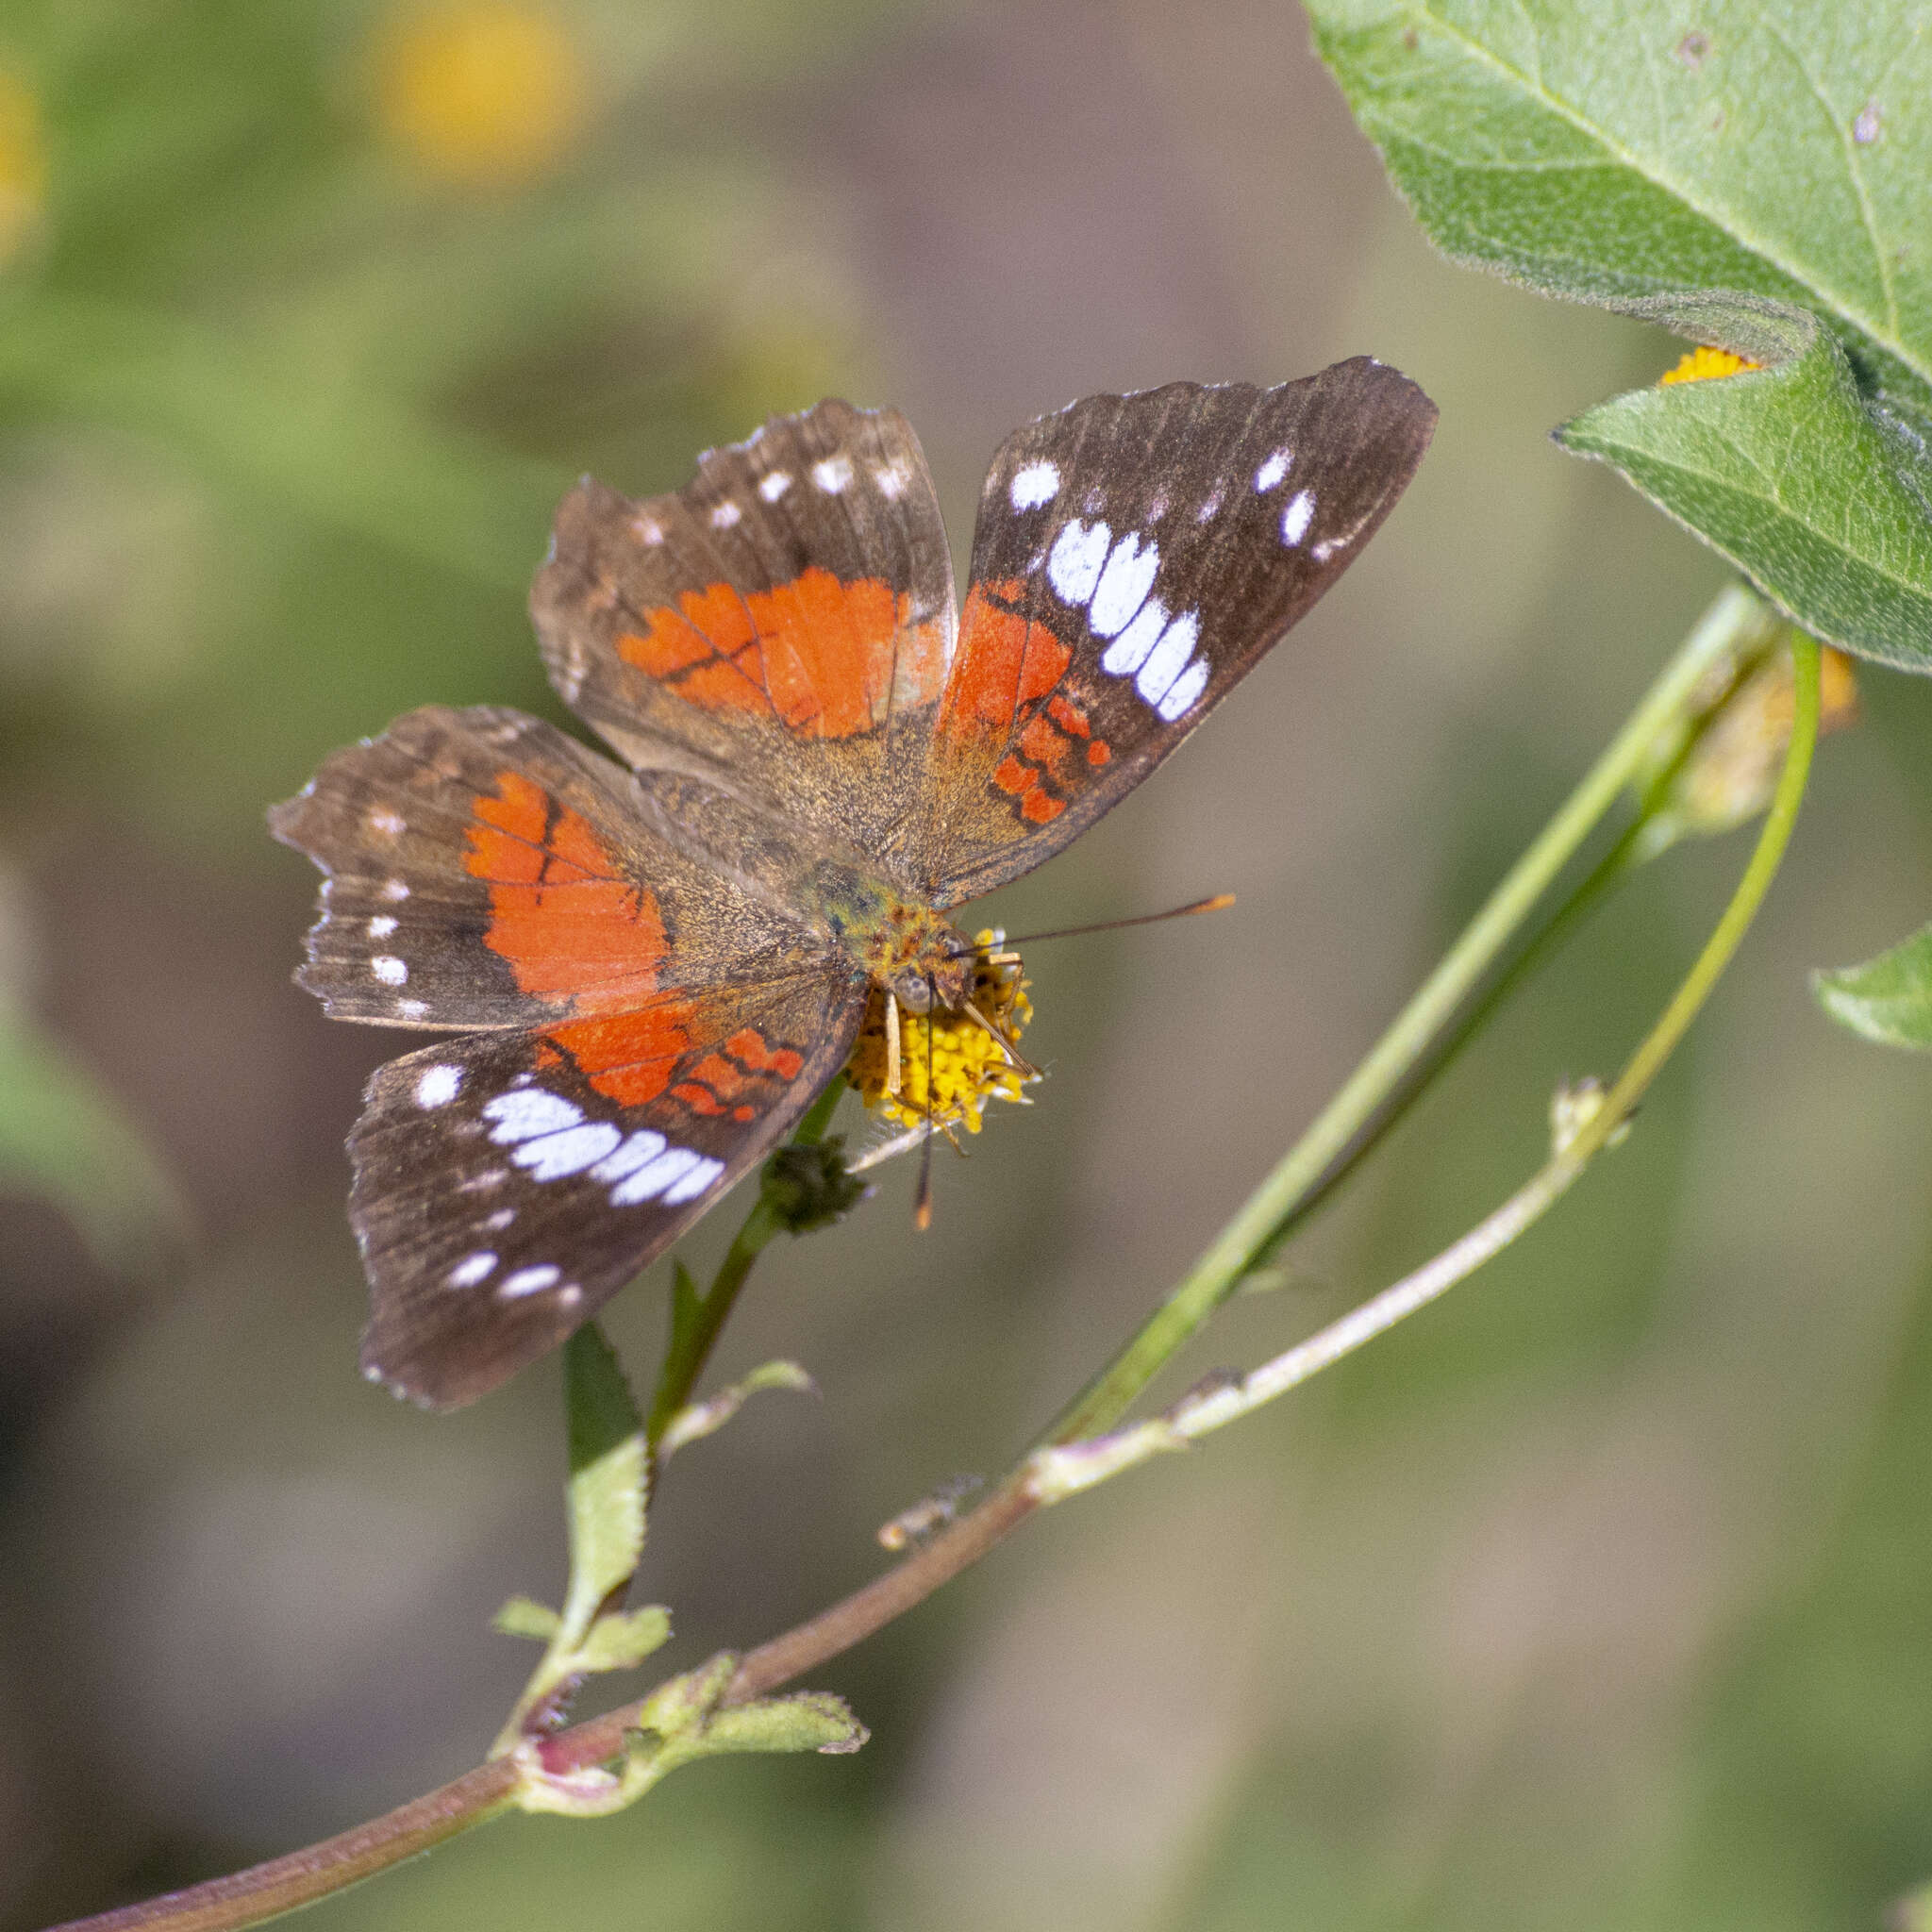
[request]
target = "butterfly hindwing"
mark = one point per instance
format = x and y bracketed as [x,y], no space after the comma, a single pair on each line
[508,1185]
[785,620]
[1135,556]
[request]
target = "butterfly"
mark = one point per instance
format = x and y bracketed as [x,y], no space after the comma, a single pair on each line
[647,971]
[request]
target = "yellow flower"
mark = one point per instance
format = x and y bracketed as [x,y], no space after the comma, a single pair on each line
[969,1067]
[482,93]
[1704,365]
[23,165]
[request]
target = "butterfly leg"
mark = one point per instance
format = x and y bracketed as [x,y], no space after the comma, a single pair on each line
[891,1044]
[1014,1057]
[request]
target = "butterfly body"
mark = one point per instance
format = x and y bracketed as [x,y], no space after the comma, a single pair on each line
[650,969]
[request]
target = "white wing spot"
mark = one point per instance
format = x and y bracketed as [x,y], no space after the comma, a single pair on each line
[1036,484]
[389,970]
[569,1295]
[388,824]
[699,1176]
[891,479]
[482,1183]
[394,891]
[1182,694]
[775,486]
[642,1145]
[412,1010]
[1124,585]
[833,476]
[525,1112]
[500,1220]
[472,1269]
[551,1156]
[439,1086]
[1273,470]
[1296,518]
[1167,658]
[647,529]
[528,1280]
[1208,511]
[1074,562]
[1328,547]
[381,926]
[1128,651]
[725,514]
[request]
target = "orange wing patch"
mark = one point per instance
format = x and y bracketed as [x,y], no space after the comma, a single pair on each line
[1004,661]
[560,912]
[818,653]
[1006,686]
[630,1058]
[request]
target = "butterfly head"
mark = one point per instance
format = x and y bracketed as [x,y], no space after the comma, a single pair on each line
[916,956]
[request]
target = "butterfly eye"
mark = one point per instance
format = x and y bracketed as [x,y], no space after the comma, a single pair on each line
[913,989]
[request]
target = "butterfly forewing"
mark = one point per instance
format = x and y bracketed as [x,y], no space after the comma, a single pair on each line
[785,622]
[506,1186]
[1135,556]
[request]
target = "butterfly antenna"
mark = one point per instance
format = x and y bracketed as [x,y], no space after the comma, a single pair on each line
[1219,903]
[921,1201]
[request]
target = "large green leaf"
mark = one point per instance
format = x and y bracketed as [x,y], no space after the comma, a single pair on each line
[1786,473]
[1606,150]
[1741,173]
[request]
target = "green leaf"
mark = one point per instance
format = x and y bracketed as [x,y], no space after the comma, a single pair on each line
[606,1477]
[1610,150]
[700,1418]
[1787,473]
[1750,174]
[63,1136]
[1889,998]
[622,1639]
[812,1720]
[523,1616]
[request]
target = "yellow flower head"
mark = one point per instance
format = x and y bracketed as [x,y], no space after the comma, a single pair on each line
[479,92]
[23,165]
[969,1067]
[1704,365]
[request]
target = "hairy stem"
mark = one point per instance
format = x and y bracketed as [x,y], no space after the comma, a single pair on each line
[1734,615]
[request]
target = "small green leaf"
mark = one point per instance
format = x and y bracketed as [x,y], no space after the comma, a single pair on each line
[1889,998]
[622,1639]
[607,1466]
[687,1303]
[701,1419]
[812,1720]
[523,1616]
[1787,473]
[1610,150]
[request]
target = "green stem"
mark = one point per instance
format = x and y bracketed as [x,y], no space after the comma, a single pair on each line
[1734,614]
[1064,1470]
[694,1333]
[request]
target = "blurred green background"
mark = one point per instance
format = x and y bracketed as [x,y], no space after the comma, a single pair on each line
[1600,1596]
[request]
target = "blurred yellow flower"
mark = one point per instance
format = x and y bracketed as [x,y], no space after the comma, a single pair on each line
[23,165]
[1705,364]
[483,94]
[969,1066]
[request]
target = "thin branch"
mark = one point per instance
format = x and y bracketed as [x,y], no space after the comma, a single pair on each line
[1733,616]
[248,1898]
